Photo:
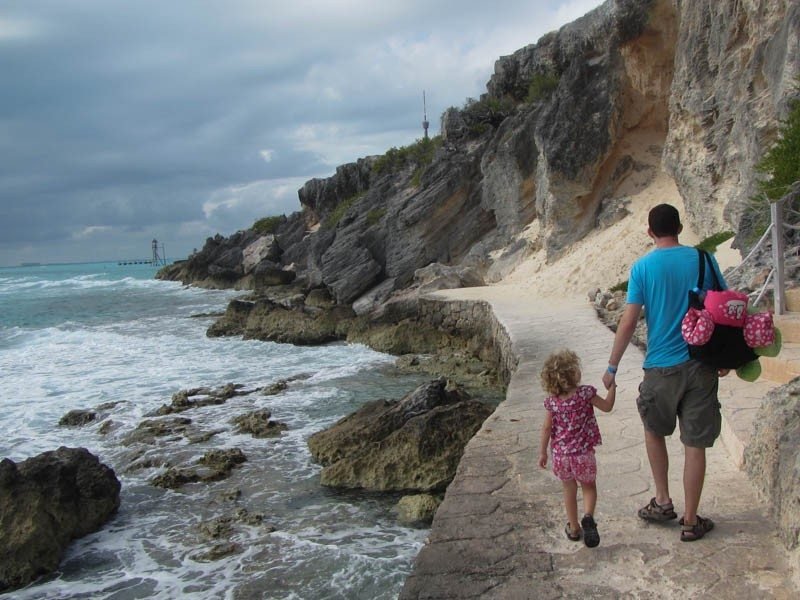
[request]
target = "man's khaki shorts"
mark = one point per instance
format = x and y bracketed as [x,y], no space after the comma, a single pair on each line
[688,392]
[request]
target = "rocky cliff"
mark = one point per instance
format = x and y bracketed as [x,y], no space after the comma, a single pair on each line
[539,160]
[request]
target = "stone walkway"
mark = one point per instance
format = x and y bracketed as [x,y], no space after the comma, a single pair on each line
[499,532]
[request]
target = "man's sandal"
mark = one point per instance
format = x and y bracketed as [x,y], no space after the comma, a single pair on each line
[692,533]
[657,513]
[573,537]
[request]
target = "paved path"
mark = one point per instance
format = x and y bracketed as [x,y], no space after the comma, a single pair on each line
[499,532]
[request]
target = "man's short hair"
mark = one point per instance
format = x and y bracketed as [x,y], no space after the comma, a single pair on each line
[664,221]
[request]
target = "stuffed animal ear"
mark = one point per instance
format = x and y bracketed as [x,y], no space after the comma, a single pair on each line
[750,372]
[697,327]
[774,348]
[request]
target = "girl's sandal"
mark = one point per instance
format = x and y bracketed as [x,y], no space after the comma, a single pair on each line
[692,533]
[573,537]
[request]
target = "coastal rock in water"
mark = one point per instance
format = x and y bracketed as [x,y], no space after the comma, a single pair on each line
[411,444]
[148,430]
[77,418]
[185,399]
[266,319]
[258,424]
[45,502]
[417,509]
[214,465]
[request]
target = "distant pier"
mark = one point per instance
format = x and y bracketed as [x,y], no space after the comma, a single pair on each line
[144,261]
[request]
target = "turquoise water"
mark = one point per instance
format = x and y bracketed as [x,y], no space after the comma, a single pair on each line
[80,336]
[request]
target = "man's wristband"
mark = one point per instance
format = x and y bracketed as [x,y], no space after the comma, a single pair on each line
[611,369]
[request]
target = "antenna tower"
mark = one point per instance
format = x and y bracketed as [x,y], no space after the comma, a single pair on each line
[425,122]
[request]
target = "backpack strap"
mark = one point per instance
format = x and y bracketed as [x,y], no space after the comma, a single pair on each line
[701,271]
[704,258]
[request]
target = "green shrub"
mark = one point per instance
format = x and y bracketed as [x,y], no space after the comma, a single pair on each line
[267,225]
[487,112]
[781,164]
[779,169]
[541,86]
[622,286]
[711,243]
[420,154]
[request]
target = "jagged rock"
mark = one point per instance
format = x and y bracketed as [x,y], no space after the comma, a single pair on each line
[270,274]
[214,465]
[147,431]
[223,527]
[275,388]
[218,264]
[107,427]
[183,399]
[319,297]
[411,444]
[442,277]
[417,509]
[77,418]
[265,319]
[258,424]
[772,459]
[264,248]
[45,502]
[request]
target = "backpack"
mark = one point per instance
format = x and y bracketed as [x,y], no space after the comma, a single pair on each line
[726,348]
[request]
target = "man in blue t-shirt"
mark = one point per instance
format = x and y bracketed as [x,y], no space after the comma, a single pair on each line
[674,386]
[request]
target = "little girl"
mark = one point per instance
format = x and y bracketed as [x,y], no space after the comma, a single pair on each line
[571,429]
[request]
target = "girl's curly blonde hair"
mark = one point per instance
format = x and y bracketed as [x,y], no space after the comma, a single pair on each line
[561,372]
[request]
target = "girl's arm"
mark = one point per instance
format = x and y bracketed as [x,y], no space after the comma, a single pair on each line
[607,403]
[544,439]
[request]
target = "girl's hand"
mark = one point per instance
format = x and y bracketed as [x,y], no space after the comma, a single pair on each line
[543,460]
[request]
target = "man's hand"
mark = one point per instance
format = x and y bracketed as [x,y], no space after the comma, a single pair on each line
[609,379]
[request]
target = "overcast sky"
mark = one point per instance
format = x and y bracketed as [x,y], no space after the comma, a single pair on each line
[127,120]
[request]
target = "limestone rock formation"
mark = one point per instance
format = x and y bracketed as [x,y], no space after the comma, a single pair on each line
[45,502]
[772,459]
[410,444]
[541,159]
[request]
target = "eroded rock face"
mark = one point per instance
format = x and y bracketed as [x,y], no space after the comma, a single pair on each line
[772,459]
[735,63]
[411,444]
[45,502]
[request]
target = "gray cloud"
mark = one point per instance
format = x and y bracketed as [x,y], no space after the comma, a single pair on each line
[124,121]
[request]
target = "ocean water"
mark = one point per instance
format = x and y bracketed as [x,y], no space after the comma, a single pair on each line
[91,335]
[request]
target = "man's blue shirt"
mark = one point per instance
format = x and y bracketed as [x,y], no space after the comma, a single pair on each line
[661,280]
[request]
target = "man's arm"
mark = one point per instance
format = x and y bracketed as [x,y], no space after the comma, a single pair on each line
[625,330]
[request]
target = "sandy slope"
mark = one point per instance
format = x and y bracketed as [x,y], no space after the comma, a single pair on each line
[603,258]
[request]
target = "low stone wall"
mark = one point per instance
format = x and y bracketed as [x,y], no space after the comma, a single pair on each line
[476,321]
